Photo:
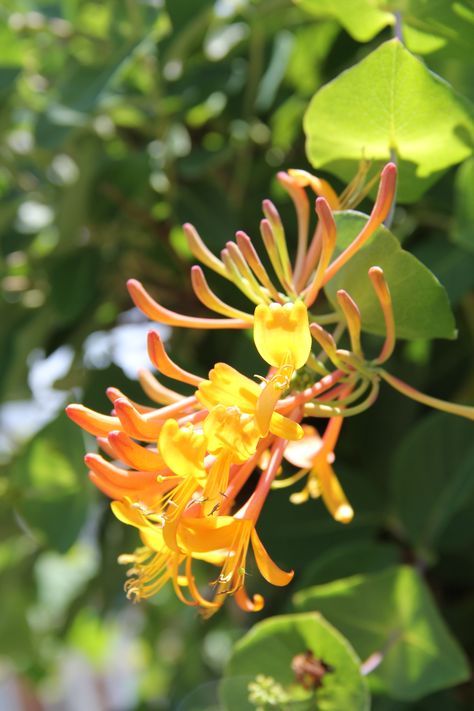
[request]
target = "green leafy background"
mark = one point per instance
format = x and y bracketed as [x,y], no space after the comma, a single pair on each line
[119,121]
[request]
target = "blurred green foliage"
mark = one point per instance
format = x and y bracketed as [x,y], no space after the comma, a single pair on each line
[118,122]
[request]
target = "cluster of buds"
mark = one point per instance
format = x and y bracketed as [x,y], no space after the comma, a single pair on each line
[175,470]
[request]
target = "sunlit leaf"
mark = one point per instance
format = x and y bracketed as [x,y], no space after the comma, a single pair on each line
[269,650]
[392,613]
[389,105]
[362,19]
[420,303]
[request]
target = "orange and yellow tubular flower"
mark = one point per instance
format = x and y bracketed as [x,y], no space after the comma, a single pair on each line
[318,185]
[380,211]
[301,203]
[201,252]
[283,339]
[314,456]
[331,491]
[155,390]
[228,387]
[147,427]
[327,232]
[270,242]
[114,394]
[281,334]
[151,308]
[232,437]
[242,274]
[352,315]
[327,343]
[93,422]
[253,260]
[274,219]
[163,362]
[117,483]
[232,578]
[272,391]
[183,450]
[227,428]
[154,564]
[382,291]
[133,454]
[207,297]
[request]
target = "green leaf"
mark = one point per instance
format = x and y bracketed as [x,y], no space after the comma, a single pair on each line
[431,476]
[349,559]
[389,103]
[53,483]
[392,613]
[74,279]
[420,303]
[362,19]
[452,265]
[8,77]
[269,649]
[463,232]
[434,25]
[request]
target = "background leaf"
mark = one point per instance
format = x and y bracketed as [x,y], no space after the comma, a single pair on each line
[269,648]
[432,476]
[389,104]
[392,612]
[362,19]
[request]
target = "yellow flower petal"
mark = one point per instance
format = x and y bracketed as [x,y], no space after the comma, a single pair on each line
[182,449]
[227,428]
[281,333]
[226,386]
[302,453]
[268,568]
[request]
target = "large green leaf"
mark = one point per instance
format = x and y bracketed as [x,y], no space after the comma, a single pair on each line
[392,613]
[420,303]
[362,19]
[389,104]
[432,476]
[269,649]
[52,481]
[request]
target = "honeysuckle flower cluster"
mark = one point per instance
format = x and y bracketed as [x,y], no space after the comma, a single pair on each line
[175,470]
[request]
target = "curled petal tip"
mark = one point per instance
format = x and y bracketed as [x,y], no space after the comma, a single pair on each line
[344,513]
